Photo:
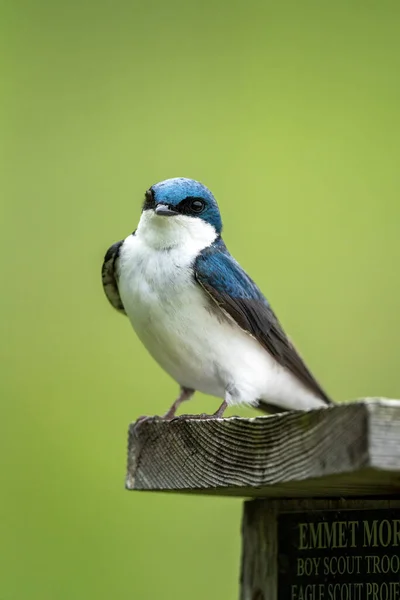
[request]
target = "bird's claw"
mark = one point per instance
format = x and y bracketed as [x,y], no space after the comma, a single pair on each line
[144,418]
[201,416]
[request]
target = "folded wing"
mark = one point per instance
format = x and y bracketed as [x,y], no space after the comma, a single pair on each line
[110,278]
[238,296]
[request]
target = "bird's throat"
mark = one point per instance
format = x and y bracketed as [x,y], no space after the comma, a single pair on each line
[180,231]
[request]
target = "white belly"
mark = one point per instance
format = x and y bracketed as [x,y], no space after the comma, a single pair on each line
[178,324]
[170,314]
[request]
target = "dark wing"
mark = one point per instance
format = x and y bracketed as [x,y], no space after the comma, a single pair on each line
[239,297]
[109,276]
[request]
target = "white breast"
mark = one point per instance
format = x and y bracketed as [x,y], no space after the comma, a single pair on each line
[180,326]
[167,308]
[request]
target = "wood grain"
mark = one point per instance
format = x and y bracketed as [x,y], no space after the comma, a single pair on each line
[259,570]
[346,450]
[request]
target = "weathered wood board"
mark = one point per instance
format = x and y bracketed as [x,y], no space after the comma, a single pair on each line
[348,450]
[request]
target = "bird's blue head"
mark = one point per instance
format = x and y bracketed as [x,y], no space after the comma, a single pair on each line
[181,196]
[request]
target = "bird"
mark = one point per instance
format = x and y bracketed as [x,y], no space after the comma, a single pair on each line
[198,313]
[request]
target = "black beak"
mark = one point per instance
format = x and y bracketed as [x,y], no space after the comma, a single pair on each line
[162,210]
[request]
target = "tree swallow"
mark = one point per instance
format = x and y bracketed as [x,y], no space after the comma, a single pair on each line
[197,311]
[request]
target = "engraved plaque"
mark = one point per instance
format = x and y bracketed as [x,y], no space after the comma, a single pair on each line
[339,555]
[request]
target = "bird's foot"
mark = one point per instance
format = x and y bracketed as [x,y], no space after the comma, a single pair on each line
[186,394]
[203,416]
[191,417]
[145,418]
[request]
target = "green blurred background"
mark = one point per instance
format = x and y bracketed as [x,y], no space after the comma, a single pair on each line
[289,112]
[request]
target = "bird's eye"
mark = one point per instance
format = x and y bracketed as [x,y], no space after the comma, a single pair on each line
[197,206]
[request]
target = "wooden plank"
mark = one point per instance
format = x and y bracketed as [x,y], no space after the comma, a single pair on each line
[348,450]
[259,570]
[261,574]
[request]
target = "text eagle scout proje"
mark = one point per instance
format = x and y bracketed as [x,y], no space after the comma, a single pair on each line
[339,555]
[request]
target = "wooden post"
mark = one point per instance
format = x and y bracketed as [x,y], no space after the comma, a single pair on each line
[328,524]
